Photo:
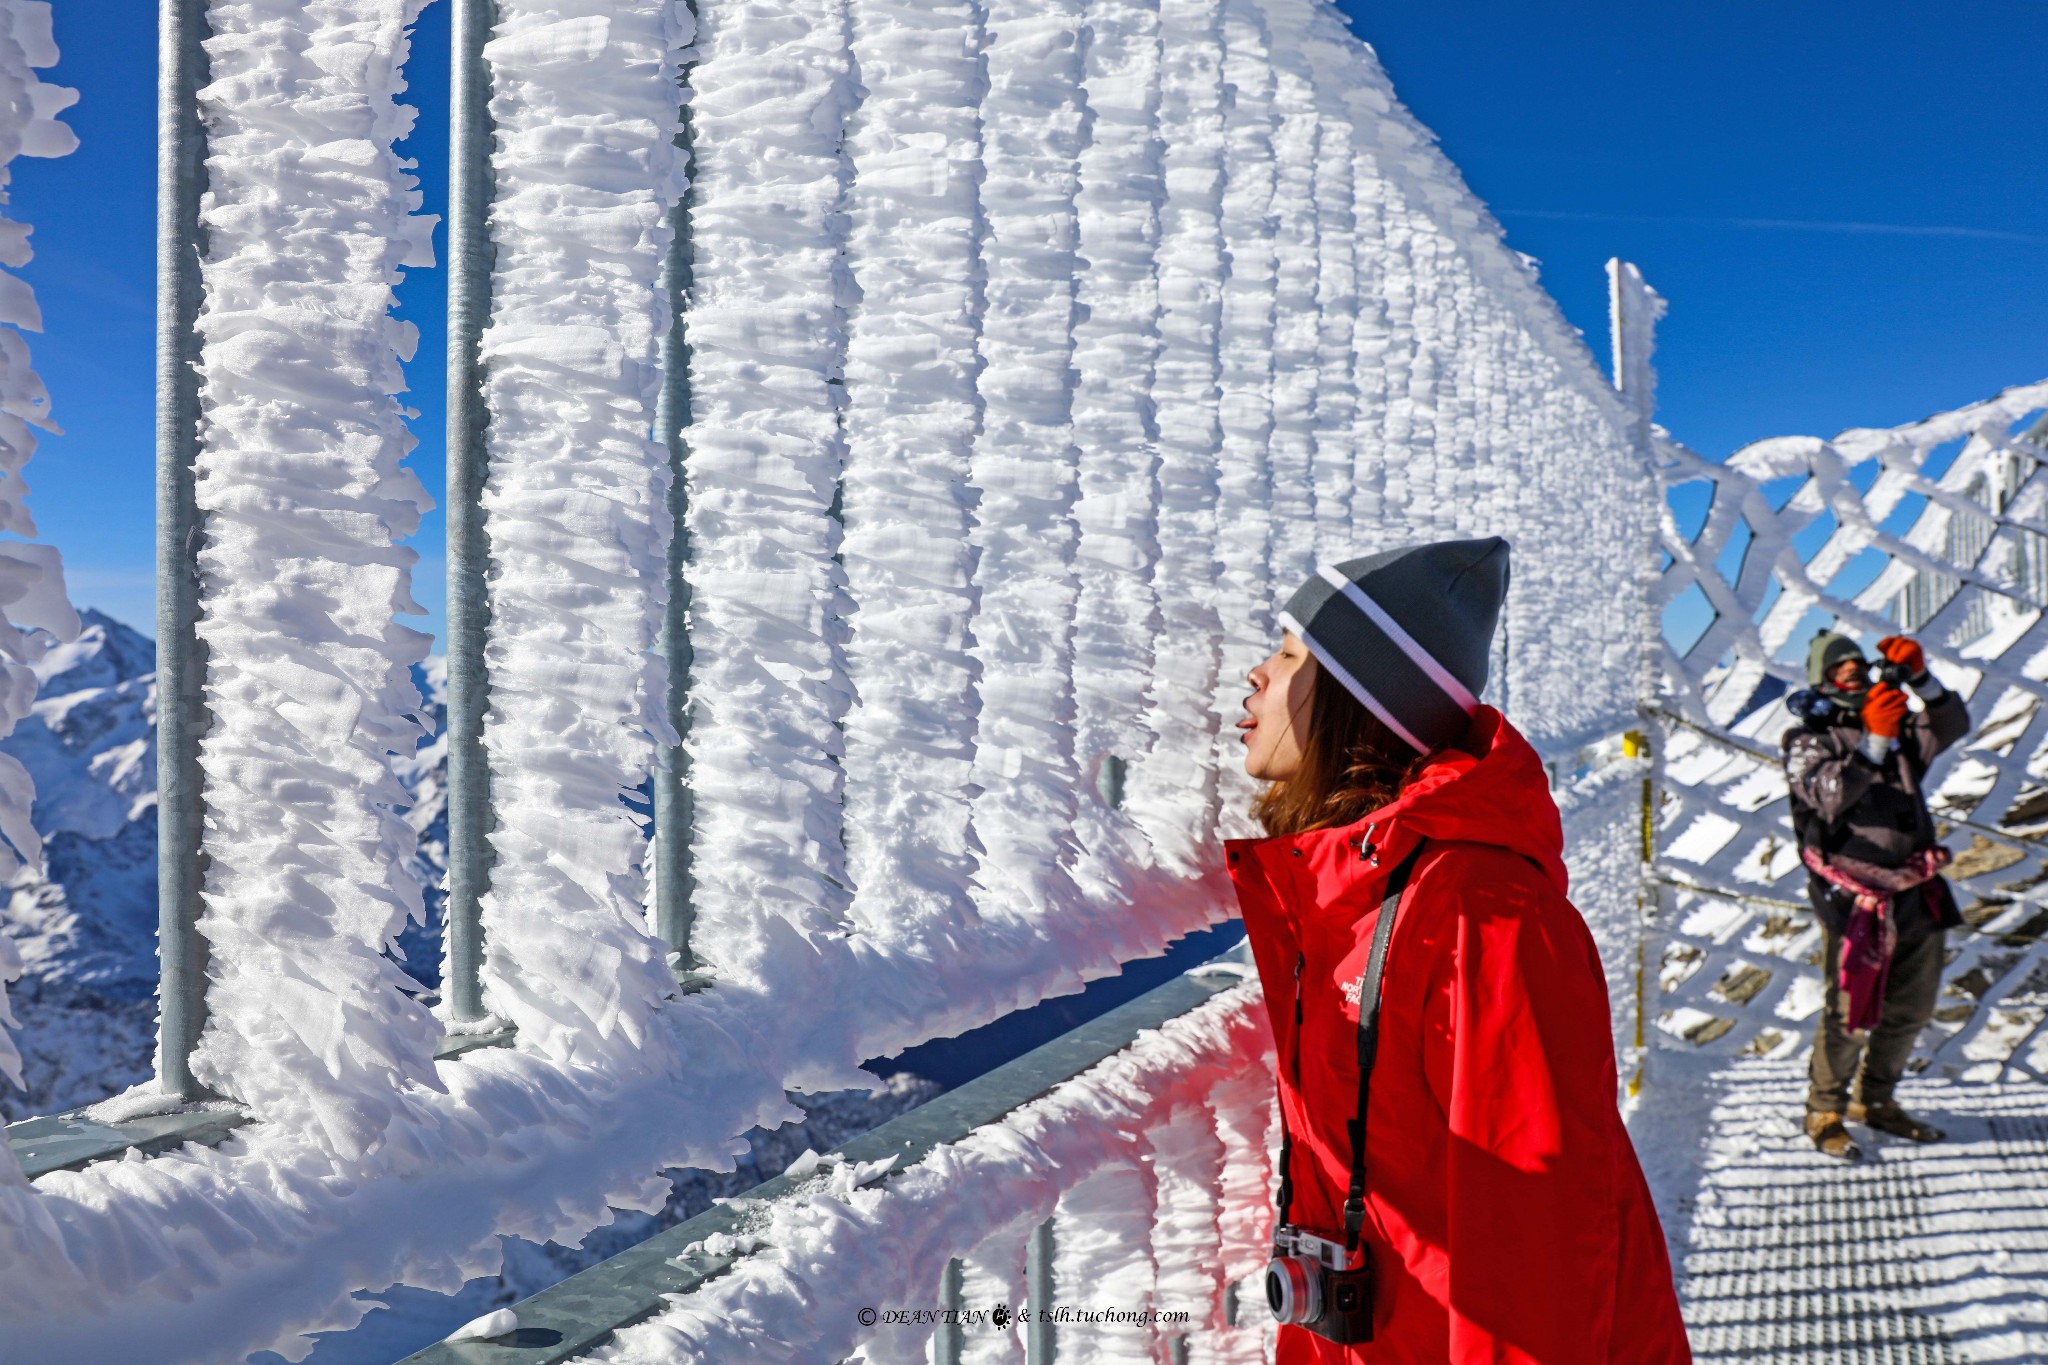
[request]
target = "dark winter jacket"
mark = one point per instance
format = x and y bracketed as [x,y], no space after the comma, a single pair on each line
[1842,802]
[1507,1217]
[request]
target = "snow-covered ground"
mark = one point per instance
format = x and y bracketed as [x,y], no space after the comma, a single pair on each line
[1786,1257]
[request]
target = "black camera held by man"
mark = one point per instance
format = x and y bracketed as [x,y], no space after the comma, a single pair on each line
[1314,1283]
[1886,671]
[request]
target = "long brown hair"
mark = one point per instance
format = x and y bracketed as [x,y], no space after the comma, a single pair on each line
[1351,763]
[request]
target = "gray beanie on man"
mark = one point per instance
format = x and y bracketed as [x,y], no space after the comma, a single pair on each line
[1408,632]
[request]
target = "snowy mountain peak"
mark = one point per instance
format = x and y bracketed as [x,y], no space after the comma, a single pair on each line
[105,654]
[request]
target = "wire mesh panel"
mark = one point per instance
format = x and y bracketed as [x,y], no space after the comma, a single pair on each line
[1935,529]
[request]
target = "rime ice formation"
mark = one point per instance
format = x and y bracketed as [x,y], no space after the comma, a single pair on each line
[771,93]
[1034,126]
[34,609]
[1115,410]
[303,497]
[1173,791]
[867,1236]
[1246,586]
[912,410]
[584,99]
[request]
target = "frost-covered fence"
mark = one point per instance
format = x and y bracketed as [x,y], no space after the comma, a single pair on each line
[1129,315]
[1032,352]
[1938,529]
[1027,352]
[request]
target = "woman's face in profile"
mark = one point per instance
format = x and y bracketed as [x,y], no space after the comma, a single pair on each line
[1276,713]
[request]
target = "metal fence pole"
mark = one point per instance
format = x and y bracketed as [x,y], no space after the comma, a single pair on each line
[949,1342]
[180,657]
[469,301]
[674,804]
[1038,1333]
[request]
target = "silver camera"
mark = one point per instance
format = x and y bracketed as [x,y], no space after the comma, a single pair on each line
[1315,1283]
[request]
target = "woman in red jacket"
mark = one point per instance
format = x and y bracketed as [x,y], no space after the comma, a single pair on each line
[1500,1214]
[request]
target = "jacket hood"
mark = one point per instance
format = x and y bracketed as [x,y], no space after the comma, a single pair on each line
[1489,788]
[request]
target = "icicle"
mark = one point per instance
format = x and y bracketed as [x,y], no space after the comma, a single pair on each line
[586,106]
[309,224]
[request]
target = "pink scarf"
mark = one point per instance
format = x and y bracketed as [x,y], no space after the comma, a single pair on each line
[1872,932]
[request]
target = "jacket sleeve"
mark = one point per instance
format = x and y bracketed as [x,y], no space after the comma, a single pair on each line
[1827,772]
[1523,1065]
[1944,721]
[1269,928]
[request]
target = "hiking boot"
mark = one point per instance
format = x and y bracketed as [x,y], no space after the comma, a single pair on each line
[1831,1137]
[1887,1117]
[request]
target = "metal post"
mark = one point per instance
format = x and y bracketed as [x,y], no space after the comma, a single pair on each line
[180,657]
[1635,744]
[1038,1334]
[674,804]
[949,1343]
[470,185]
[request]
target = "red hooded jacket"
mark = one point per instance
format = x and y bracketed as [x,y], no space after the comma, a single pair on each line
[1506,1213]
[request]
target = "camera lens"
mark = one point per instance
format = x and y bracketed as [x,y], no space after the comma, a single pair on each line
[1294,1290]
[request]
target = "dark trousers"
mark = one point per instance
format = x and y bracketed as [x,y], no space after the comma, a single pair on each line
[1909,998]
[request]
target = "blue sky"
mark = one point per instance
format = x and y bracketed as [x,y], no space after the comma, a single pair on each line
[1846,205]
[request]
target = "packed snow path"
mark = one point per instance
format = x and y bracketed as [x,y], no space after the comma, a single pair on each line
[1913,1256]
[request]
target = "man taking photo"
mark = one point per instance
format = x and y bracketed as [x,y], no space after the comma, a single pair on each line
[1856,764]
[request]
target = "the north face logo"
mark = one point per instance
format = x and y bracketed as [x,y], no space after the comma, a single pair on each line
[1353,989]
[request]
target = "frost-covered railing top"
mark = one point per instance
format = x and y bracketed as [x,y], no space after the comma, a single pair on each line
[1121,1171]
[1938,529]
[1032,350]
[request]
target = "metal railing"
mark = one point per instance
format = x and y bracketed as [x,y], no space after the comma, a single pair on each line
[567,1320]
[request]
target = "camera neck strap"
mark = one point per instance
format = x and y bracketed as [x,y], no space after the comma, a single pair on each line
[1368,1049]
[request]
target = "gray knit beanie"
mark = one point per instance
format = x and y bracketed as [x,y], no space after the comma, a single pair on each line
[1408,632]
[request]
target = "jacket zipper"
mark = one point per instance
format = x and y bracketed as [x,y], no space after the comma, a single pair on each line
[1300,962]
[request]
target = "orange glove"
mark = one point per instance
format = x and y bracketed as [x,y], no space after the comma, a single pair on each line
[1904,652]
[1884,709]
